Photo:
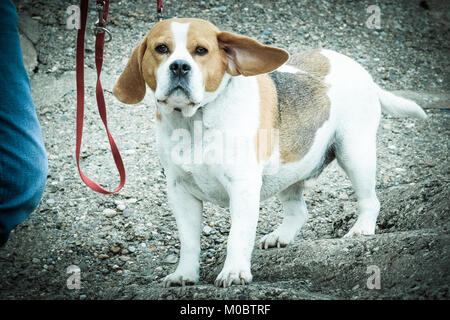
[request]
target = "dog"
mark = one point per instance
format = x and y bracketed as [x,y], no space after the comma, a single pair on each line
[291,115]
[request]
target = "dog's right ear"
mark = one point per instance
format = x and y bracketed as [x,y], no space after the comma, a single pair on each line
[130,87]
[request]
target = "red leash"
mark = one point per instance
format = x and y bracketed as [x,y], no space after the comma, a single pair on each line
[100,30]
[99,44]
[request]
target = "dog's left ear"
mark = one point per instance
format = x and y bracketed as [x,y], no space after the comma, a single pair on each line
[130,87]
[248,57]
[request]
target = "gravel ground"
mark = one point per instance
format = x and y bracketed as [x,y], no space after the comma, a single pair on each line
[126,243]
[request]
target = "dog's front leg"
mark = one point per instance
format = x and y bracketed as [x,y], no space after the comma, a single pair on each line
[188,214]
[244,210]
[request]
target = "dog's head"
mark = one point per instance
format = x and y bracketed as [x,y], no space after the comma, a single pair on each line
[185,61]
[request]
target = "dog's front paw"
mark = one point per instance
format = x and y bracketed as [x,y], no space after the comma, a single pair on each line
[179,279]
[229,276]
[275,239]
[363,228]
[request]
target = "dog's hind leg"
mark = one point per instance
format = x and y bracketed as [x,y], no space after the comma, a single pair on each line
[295,216]
[356,154]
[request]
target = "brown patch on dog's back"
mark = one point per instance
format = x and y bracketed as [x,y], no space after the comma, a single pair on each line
[303,104]
[312,62]
[265,139]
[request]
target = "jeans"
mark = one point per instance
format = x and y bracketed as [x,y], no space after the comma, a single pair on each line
[23,160]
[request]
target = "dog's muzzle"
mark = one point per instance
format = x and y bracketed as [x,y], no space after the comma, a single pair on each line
[180,71]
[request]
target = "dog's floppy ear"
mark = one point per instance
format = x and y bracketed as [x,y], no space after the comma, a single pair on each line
[248,57]
[130,87]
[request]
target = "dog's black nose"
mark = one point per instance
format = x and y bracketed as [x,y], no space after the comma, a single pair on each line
[180,68]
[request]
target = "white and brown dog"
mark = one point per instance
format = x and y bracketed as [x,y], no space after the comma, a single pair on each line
[319,105]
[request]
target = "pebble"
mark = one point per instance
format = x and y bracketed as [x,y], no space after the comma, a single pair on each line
[110,213]
[103,256]
[118,202]
[220,8]
[128,212]
[171,258]
[132,249]
[50,201]
[83,297]
[36,260]
[83,266]
[114,249]
[207,230]
[121,207]
[343,196]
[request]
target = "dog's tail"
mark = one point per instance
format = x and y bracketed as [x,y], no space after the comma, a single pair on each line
[398,106]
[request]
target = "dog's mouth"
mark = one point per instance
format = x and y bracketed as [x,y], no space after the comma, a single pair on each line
[178,95]
[179,89]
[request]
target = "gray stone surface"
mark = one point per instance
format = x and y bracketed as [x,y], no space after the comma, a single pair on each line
[29,27]
[29,54]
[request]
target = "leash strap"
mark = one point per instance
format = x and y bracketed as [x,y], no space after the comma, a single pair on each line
[99,45]
[159,6]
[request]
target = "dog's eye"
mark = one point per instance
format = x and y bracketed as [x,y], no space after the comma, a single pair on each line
[200,51]
[162,49]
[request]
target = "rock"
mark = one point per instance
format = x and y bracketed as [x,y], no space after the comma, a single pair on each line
[29,54]
[36,260]
[83,297]
[103,256]
[220,8]
[171,258]
[114,249]
[118,202]
[121,207]
[125,258]
[131,249]
[50,202]
[29,27]
[343,196]
[128,212]
[207,230]
[110,213]
[83,266]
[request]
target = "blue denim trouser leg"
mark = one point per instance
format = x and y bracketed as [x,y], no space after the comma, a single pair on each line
[23,161]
